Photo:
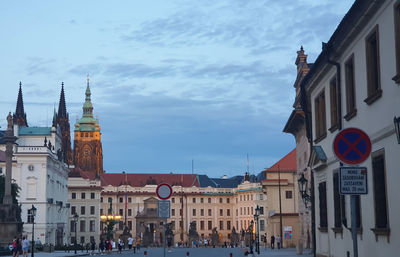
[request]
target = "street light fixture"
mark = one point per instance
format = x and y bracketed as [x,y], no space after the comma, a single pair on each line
[303,189]
[256,215]
[76,216]
[110,221]
[33,214]
[396,122]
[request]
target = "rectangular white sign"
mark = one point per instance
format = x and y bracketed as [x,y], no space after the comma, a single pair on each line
[164,208]
[353,181]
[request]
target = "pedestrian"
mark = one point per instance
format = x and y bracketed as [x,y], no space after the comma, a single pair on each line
[265,241]
[25,246]
[205,242]
[169,243]
[130,241]
[272,242]
[93,246]
[119,245]
[278,241]
[18,246]
[138,242]
[134,245]
[101,246]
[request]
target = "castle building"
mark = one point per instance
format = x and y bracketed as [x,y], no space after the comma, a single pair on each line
[88,153]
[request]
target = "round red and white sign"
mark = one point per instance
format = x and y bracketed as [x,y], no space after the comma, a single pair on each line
[164,191]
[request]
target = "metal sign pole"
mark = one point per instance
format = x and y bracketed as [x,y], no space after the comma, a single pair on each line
[354,225]
[165,223]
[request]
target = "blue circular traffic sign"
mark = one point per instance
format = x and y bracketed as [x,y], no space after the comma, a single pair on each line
[352,146]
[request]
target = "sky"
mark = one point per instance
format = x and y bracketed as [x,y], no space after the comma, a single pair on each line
[171,81]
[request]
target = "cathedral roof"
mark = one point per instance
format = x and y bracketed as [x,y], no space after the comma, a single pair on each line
[87,122]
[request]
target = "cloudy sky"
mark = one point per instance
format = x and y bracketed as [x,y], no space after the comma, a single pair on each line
[171,80]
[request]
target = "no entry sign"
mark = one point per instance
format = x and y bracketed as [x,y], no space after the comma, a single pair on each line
[352,146]
[164,191]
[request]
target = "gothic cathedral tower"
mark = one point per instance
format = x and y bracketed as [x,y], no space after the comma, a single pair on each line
[62,119]
[88,153]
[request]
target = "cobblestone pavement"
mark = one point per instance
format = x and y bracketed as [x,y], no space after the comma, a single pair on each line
[193,252]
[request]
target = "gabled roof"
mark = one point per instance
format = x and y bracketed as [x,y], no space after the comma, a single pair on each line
[287,163]
[139,180]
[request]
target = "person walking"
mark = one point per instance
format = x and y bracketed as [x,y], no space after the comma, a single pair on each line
[272,242]
[134,245]
[25,246]
[278,241]
[130,241]
[120,245]
[92,246]
[138,242]
[101,246]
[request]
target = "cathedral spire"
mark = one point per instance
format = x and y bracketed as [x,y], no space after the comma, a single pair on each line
[19,116]
[87,106]
[62,109]
[54,124]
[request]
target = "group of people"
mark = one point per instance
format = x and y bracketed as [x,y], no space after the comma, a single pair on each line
[106,246]
[19,246]
[278,241]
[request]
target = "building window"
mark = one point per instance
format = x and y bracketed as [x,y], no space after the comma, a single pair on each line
[121,200]
[181,224]
[92,195]
[83,195]
[261,210]
[173,200]
[73,195]
[91,210]
[72,226]
[334,104]
[181,200]
[202,200]
[73,210]
[380,197]
[109,199]
[221,212]
[194,200]
[240,198]
[320,117]
[209,225]
[101,211]
[129,212]
[323,212]
[262,225]
[241,213]
[92,226]
[350,88]
[82,240]
[129,200]
[228,225]
[228,212]
[82,226]
[181,212]
[121,225]
[261,197]
[221,225]
[251,197]
[209,212]
[82,210]
[130,224]
[173,225]
[194,212]
[72,239]
[172,212]
[227,200]
[201,212]
[252,210]
[121,212]
[30,217]
[202,225]
[288,194]
[373,70]
[237,225]
[237,212]
[209,200]
[101,199]
[397,40]
[220,200]
[337,201]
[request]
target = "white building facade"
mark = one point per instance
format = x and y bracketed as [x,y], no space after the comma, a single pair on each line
[355,83]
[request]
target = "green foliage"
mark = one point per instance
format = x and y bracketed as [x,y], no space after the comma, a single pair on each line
[15,189]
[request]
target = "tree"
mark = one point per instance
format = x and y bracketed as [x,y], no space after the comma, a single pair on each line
[14,189]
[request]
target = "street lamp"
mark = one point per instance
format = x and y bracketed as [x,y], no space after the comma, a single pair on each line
[110,221]
[396,122]
[76,216]
[303,188]
[256,215]
[33,214]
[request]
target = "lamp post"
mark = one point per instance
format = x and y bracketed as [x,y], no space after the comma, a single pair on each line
[256,215]
[76,216]
[251,237]
[303,188]
[33,214]
[396,122]
[110,221]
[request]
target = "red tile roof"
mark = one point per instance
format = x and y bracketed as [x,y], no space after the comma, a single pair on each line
[287,163]
[77,172]
[139,180]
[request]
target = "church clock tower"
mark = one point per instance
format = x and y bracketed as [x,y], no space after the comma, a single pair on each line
[88,153]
